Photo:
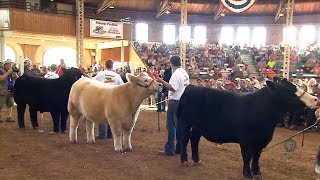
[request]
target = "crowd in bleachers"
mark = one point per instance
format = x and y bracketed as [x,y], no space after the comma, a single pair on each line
[270,61]
[201,60]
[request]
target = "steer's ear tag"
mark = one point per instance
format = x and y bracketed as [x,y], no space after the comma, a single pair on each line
[271,84]
[131,78]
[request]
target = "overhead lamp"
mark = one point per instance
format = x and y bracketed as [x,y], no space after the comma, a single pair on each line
[281,14]
[222,14]
[167,11]
[111,7]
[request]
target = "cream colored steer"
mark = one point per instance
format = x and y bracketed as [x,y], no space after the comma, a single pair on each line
[117,106]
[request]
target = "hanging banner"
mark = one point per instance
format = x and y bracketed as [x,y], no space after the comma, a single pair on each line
[4,19]
[106,29]
[237,6]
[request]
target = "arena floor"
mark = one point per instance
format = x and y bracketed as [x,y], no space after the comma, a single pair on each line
[30,154]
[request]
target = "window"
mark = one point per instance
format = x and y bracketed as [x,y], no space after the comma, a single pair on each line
[226,35]
[9,53]
[290,35]
[200,35]
[53,56]
[142,32]
[243,35]
[259,36]
[187,32]
[169,34]
[307,35]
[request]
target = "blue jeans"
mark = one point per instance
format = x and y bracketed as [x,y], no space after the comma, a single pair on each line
[162,106]
[172,128]
[104,131]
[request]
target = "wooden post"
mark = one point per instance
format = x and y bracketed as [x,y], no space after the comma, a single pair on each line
[287,50]
[79,29]
[183,43]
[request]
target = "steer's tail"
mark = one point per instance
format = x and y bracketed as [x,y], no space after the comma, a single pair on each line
[317,169]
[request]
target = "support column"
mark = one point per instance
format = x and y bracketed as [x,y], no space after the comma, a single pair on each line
[183,44]
[2,50]
[79,29]
[98,55]
[122,54]
[287,50]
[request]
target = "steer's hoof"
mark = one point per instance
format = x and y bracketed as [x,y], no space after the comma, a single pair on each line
[198,163]
[185,164]
[73,142]
[248,177]
[128,149]
[118,150]
[91,141]
[257,177]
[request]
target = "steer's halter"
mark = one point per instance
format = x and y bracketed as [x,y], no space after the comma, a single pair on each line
[301,95]
[147,87]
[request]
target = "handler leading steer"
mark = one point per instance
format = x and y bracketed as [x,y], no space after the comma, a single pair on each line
[117,106]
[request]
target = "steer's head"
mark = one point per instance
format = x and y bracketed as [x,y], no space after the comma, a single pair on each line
[145,81]
[71,75]
[290,95]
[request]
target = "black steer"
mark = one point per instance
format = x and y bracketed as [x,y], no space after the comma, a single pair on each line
[317,168]
[45,95]
[228,117]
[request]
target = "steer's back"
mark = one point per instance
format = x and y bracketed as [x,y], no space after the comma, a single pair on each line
[90,98]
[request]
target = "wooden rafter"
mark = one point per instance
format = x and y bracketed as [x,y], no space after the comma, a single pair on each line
[104,4]
[219,12]
[280,8]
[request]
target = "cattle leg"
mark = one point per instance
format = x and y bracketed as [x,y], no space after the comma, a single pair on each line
[21,109]
[127,140]
[90,131]
[246,156]
[63,123]
[33,117]
[74,123]
[185,136]
[195,138]
[255,164]
[56,121]
[117,137]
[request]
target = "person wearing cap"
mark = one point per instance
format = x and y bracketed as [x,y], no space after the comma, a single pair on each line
[110,77]
[7,77]
[176,86]
[231,86]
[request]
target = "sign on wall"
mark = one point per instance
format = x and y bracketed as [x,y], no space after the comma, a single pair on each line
[106,29]
[237,6]
[4,19]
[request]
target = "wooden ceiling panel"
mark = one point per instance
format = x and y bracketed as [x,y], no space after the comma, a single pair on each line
[209,7]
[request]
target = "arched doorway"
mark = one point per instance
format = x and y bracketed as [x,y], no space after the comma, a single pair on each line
[53,56]
[9,53]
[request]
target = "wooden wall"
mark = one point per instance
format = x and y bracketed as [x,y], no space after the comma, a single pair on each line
[114,54]
[54,24]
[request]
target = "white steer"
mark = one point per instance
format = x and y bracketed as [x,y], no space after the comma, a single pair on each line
[117,106]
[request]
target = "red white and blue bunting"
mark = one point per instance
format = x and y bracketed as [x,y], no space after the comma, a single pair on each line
[237,6]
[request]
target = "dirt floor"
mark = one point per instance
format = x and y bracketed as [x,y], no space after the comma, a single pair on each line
[30,154]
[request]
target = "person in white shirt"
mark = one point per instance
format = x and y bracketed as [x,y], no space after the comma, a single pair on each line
[176,86]
[112,78]
[52,73]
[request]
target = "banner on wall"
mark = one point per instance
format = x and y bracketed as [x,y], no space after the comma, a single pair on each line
[237,6]
[4,19]
[106,29]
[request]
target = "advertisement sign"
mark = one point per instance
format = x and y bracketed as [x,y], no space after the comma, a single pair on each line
[106,29]
[4,19]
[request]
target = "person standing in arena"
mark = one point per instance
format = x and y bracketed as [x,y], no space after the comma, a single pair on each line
[176,86]
[7,78]
[112,78]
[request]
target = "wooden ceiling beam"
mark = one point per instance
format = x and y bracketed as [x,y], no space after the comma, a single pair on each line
[104,4]
[219,12]
[164,6]
[280,8]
